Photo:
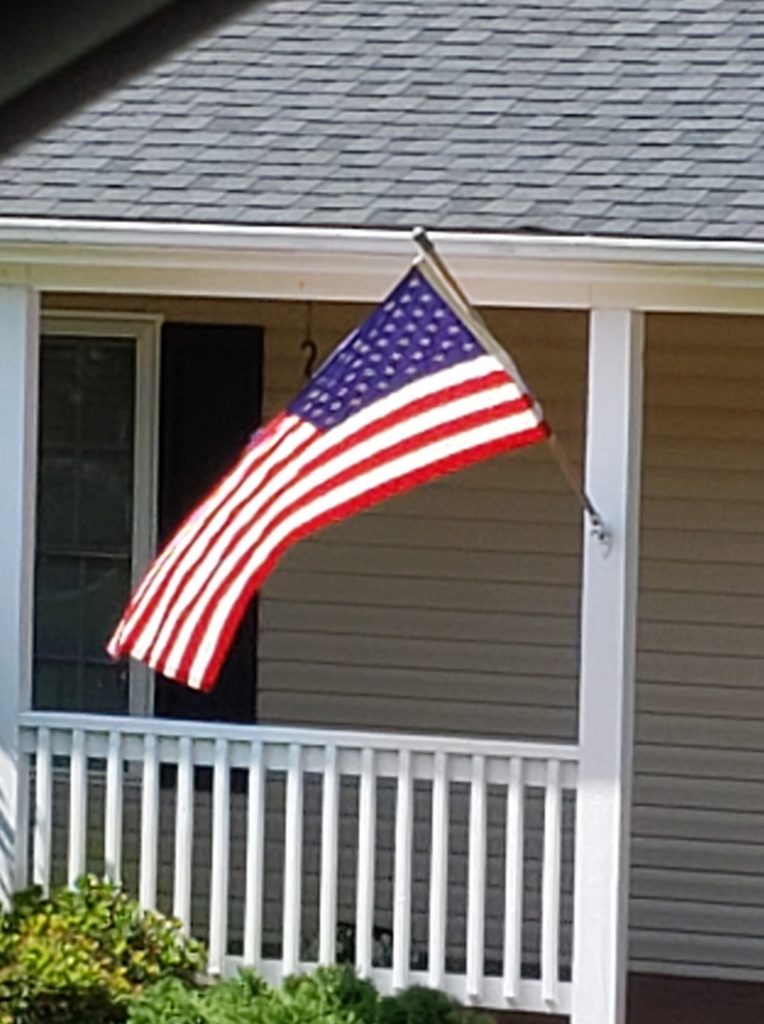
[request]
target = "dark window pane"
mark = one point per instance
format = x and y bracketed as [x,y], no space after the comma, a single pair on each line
[103,599]
[107,394]
[58,393]
[56,685]
[72,686]
[84,520]
[106,502]
[58,607]
[57,500]
[105,687]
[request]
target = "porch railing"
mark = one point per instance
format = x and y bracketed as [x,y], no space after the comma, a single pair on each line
[422,860]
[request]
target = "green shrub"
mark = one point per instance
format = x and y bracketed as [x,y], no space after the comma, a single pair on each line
[169,1001]
[419,1005]
[81,954]
[241,1000]
[334,995]
[328,996]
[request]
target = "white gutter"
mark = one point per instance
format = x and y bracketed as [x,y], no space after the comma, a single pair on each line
[358,264]
[29,231]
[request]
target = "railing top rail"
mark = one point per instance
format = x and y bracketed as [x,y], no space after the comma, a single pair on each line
[282,734]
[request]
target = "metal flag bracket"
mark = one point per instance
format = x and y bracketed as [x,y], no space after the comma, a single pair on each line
[598,527]
[599,530]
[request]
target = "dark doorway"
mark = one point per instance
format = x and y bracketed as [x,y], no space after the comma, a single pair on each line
[210,403]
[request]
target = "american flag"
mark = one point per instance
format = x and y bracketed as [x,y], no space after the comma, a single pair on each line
[418,390]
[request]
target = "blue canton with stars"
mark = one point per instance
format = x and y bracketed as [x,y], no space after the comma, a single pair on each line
[414,333]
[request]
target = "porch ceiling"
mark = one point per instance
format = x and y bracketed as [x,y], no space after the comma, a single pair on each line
[358,265]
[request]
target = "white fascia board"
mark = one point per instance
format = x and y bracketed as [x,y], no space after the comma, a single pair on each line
[359,265]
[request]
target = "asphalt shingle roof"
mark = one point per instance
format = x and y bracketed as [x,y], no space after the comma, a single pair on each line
[617,117]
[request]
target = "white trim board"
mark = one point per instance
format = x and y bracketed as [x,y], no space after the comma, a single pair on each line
[360,265]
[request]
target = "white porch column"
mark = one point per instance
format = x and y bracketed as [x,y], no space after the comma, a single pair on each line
[19,350]
[606,697]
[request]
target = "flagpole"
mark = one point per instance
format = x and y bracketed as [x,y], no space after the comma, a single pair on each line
[433,257]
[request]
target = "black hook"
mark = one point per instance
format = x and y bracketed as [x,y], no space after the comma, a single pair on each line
[312,349]
[309,345]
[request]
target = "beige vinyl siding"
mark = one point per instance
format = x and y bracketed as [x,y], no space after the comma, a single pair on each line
[697,903]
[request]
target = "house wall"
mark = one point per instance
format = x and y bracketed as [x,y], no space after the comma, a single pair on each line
[455,608]
[697,901]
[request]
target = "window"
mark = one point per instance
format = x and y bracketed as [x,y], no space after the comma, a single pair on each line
[134,428]
[94,507]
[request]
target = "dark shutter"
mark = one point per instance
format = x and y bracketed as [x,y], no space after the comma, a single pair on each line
[210,403]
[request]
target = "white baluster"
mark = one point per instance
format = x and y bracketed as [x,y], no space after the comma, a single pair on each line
[78,801]
[253,900]
[20,832]
[513,892]
[112,843]
[43,811]
[327,947]
[293,861]
[184,833]
[367,827]
[476,880]
[221,816]
[436,955]
[404,827]
[550,886]
[147,885]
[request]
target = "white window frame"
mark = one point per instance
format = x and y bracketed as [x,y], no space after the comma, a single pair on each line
[145,332]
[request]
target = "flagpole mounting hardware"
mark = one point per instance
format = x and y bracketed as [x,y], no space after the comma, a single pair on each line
[599,530]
